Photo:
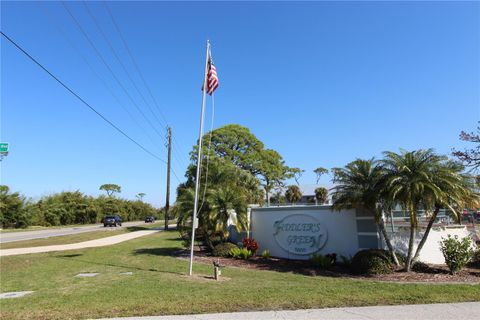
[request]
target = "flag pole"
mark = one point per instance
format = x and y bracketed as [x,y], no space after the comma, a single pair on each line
[199,161]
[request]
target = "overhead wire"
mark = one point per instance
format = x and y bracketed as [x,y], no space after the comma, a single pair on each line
[81,99]
[92,69]
[85,34]
[82,30]
[114,52]
[79,26]
[127,47]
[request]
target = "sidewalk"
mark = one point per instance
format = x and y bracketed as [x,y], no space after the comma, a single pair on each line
[444,311]
[80,245]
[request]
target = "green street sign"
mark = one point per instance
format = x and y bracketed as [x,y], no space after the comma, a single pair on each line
[3,147]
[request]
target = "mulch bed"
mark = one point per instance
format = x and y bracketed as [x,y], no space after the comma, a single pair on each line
[434,274]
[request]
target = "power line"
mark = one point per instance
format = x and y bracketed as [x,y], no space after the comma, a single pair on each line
[138,69]
[64,34]
[79,26]
[112,49]
[81,99]
[104,36]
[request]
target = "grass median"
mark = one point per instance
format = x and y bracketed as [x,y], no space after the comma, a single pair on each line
[78,237]
[159,285]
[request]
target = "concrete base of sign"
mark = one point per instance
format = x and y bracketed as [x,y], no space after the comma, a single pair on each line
[127,273]
[11,295]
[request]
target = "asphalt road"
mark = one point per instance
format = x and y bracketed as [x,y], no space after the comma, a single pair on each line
[55,232]
[107,241]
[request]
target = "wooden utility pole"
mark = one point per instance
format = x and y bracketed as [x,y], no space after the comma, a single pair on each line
[167,200]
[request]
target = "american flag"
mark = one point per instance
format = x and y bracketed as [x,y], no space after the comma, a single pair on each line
[212,78]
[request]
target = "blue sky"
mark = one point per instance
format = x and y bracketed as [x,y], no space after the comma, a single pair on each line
[321,82]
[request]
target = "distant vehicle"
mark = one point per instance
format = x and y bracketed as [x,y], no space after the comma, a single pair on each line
[150,219]
[112,221]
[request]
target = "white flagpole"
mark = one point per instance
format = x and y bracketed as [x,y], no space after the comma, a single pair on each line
[199,161]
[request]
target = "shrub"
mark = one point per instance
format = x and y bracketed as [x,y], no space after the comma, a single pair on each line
[419,266]
[223,249]
[332,257]
[346,261]
[266,254]
[321,261]
[250,244]
[241,253]
[372,261]
[475,261]
[457,252]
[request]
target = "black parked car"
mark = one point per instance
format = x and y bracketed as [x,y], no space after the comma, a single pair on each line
[112,221]
[150,219]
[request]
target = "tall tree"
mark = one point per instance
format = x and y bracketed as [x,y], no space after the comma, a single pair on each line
[228,187]
[140,196]
[409,181]
[456,192]
[359,185]
[237,145]
[293,194]
[321,195]
[272,171]
[319,172]
[111,189]
[470,157]
[278,198]
[12,209]
[296,173]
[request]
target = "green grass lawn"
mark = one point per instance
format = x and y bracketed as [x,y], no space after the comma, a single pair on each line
[79,237]
[159,285]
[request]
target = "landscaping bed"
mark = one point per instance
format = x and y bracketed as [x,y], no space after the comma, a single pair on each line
[434,273]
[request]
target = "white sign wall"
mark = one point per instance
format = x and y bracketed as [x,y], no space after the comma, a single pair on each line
[298,232]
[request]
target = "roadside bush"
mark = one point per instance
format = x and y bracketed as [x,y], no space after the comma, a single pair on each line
[12,209]
[223,249]
[266,254]
[241,253]
[250,244]
[457,253]
[372,261]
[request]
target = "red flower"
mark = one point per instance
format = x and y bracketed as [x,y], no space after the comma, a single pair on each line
[250,244]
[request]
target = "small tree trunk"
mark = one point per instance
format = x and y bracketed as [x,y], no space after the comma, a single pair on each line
[425,235]
[208,242]
[411,242]
[381,225]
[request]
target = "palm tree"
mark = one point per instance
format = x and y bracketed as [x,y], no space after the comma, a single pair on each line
[359,185]
[409,181]
[223,201]
[293,194]
[457,193]
[321,195]
[228,188]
